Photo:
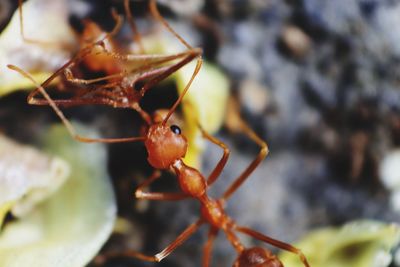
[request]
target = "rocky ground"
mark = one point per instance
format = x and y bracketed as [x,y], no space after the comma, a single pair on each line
[318,80]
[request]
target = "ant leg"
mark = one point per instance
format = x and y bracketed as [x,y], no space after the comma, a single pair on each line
[79,57]
[180,239]
[234,240]
[144,72]
[21,24]
[208,246]
[191,229]
[274,242]
[179,100]
[140,194]
[149,61]
[156,14]
[22,31]
[71,78]
[136,34]
[157,74]
[66,122]
[154,59]
[173,68]
[222,162]
[154,76]
[253,165]
[145,116]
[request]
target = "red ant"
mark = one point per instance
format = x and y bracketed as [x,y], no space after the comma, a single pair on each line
[166,146]
[117,88]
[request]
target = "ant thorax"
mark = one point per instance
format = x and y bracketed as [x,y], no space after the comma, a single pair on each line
[165,145]
[191,180]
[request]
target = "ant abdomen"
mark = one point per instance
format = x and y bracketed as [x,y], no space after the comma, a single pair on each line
[257,257]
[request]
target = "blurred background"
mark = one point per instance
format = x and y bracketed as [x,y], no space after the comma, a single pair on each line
[317,79]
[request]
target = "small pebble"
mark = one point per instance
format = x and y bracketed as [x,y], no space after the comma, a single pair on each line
[390,170]
[185,7]
[254,96]
[297,41]
[395,201]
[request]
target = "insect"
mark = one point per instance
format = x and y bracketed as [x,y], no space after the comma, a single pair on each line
[117,87]
[166,146]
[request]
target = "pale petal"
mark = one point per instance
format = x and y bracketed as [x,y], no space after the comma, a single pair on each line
[44,21]
[69,228]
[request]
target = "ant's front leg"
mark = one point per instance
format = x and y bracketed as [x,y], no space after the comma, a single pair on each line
[140,194]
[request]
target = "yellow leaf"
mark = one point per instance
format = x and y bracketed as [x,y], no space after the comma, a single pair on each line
[356,244]
[205,103]
[206,100]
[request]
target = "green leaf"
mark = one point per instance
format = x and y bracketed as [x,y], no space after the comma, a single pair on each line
[70,227]
[357,244]
[205,103]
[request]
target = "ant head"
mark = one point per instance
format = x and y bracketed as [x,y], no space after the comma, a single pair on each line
[257,257]
[165,144]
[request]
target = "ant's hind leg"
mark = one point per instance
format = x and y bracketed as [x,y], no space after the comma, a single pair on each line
[191,229]
[253,165]
[222,162]
[140,194]
[274,242]
[208,246]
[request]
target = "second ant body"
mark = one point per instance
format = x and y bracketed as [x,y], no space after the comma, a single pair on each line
[166,146]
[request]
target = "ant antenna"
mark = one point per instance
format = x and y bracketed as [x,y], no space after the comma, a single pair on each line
[118,24]
[177,102]
[154,11]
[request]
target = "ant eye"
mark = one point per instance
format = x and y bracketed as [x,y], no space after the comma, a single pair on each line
[175,129]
